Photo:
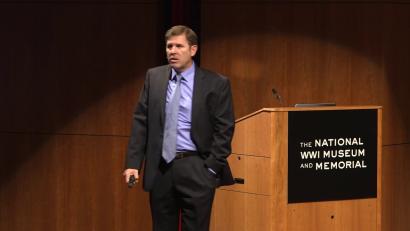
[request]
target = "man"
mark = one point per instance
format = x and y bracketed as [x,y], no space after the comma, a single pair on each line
[182,126]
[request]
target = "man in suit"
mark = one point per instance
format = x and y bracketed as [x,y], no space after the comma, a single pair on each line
[182,127]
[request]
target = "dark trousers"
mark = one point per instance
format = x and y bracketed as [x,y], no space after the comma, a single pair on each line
[184,186]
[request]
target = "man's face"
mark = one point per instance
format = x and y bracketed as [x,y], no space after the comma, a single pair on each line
[179,52]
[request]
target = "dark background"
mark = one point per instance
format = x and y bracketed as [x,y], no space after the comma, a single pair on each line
[71,71]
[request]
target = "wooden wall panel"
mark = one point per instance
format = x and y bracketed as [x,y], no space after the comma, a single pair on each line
[70,183]
[396,59]
[71,72]
[347,53]
[396,187]
[75,68]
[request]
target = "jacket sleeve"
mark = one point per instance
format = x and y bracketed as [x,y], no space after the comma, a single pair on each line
[137,142]
[223,123]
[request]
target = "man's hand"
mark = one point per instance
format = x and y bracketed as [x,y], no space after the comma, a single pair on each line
[130,172]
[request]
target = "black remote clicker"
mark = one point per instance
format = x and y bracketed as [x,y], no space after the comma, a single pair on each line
[132,181]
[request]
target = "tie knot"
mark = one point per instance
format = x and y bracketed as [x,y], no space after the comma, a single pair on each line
[178,78]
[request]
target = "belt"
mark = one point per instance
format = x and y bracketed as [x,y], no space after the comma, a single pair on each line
[180,155]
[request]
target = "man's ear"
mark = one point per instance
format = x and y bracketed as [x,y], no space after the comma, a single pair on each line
[194,49]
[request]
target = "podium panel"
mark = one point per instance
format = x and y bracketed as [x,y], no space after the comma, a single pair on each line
[310,169]
[244,167]
[242,208]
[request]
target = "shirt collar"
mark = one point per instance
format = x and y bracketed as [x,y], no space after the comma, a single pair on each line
[185,74]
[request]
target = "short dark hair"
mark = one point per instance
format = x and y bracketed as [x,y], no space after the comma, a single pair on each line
[181,29]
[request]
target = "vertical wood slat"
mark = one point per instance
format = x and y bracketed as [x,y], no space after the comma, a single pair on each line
[379,204]
[279,168]
[395,188]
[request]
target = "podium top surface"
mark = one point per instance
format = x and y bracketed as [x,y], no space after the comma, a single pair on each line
[325,108]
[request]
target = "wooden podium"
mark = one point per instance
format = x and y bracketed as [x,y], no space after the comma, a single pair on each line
[260,160]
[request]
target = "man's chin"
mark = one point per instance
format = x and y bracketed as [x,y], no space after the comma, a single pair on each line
[175,66]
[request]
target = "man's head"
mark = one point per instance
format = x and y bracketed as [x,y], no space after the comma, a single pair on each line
[181,46]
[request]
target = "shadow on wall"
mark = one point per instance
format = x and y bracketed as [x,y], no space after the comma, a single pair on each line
[350,54]
[70,69]
[64,71]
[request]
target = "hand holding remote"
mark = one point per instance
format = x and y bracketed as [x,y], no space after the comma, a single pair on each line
[131,177]
[132,181]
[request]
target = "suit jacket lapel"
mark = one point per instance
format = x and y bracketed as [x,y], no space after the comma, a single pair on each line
[163,85]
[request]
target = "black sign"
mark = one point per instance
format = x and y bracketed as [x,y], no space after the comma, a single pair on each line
[332,155]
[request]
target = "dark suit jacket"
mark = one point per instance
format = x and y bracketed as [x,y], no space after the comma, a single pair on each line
[211,129]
